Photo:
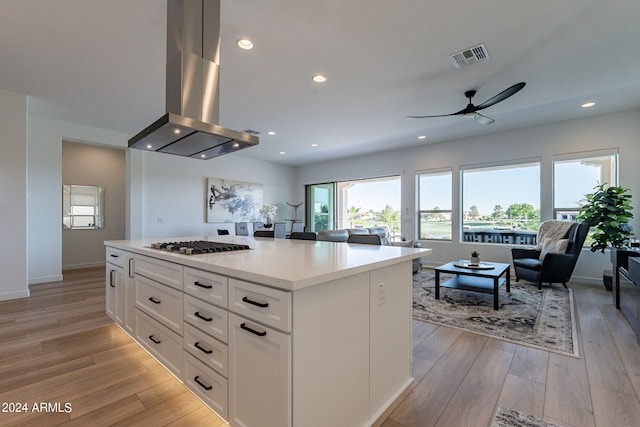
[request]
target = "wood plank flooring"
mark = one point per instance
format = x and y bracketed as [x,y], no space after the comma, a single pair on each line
[58,347]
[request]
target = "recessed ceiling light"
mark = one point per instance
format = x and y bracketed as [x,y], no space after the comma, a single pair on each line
[319,78]
[271,132]
[245,44]
[176,131]
[314,145]
[235,145]
[422,137]
[203,155]
[588,104]
[283,152]
[149,146]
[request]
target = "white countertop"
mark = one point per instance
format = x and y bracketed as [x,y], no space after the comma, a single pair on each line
[282,263]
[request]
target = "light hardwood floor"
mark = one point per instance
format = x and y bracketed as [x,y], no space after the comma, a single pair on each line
[59,347]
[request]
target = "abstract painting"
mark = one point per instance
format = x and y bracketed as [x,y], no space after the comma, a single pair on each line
[233,201]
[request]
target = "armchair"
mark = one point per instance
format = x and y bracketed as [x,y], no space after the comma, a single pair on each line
[554,267]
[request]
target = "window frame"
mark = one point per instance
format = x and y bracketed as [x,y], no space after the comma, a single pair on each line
[420,212]
[499,236]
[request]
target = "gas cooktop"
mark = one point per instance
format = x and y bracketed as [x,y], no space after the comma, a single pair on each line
[199,247]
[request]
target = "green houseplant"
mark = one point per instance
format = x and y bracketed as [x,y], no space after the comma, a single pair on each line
[608,209]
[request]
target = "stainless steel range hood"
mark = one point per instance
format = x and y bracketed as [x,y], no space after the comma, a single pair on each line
[189,128]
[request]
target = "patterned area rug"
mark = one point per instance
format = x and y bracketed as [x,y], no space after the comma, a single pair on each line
[541,319]
[507,417]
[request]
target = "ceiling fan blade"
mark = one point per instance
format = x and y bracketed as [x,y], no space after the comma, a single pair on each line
[427,117]
[483,120]
[501,96]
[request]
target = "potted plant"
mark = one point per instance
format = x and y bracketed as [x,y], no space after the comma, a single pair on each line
[268,212]
[475,258]
[608,209]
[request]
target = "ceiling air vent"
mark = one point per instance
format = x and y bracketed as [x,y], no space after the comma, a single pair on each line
[469,56]
[251,132]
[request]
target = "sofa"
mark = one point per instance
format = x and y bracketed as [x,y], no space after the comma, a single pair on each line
[342,235]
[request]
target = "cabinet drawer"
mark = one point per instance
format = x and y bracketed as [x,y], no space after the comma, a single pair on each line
[163,303]
[161,271]
[207,317]
[163,343]
[207,384]
[266,305]
[207,286]
[206,348]
[115,256]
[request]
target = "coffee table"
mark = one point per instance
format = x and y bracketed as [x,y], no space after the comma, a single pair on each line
[487,277]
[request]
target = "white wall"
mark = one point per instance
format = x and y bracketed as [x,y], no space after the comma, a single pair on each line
[158,186]
[621,130]
[13,195]
[84,164]
[175,191]
[44,163]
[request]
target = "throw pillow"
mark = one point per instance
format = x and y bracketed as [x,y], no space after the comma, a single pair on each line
[554,246]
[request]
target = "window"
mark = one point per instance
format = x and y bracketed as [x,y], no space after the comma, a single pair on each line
[501,203]
[434,205]
[575,175]
[82,207]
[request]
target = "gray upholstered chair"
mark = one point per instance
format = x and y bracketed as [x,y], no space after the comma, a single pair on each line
[280,230]
[333,235]
[242,229]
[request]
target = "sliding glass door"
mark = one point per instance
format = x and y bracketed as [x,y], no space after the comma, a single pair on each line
[320,207]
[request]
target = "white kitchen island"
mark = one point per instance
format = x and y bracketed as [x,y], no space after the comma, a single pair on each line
[289,332]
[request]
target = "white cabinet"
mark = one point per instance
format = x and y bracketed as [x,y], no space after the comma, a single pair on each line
[160,341]
[120,288]
[259,374]
[163,303]
[267,305]
[113,283]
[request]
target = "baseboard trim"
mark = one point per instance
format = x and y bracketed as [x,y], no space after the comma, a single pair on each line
[6,296]
[45,279]
[83,265]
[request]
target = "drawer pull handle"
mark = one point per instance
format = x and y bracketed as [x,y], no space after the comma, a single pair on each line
[256,303]
[202,349]
[206,319]
[154,300]
[253,331]
[114,256]
[203,285]
[111,278]
[201,384]
[152,338]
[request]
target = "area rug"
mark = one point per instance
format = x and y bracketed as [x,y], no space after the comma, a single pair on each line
[540,319]
[507,417]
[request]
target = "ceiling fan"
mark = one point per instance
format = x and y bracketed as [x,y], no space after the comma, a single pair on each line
[471,111]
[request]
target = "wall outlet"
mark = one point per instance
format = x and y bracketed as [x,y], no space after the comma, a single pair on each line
[381,294]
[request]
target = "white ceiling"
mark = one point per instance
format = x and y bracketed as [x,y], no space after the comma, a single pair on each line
[101,63]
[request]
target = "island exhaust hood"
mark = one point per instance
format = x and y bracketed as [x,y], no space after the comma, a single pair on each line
[189,128]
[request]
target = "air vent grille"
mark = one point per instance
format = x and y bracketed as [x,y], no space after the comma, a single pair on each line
[251,132]
[469,56]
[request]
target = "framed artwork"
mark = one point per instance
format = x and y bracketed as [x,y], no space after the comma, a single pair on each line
[233,201]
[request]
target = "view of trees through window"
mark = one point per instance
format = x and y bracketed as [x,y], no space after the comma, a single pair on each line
[370,203]
[434,194]
[501,198]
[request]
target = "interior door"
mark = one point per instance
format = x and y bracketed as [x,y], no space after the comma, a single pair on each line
[321,207]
